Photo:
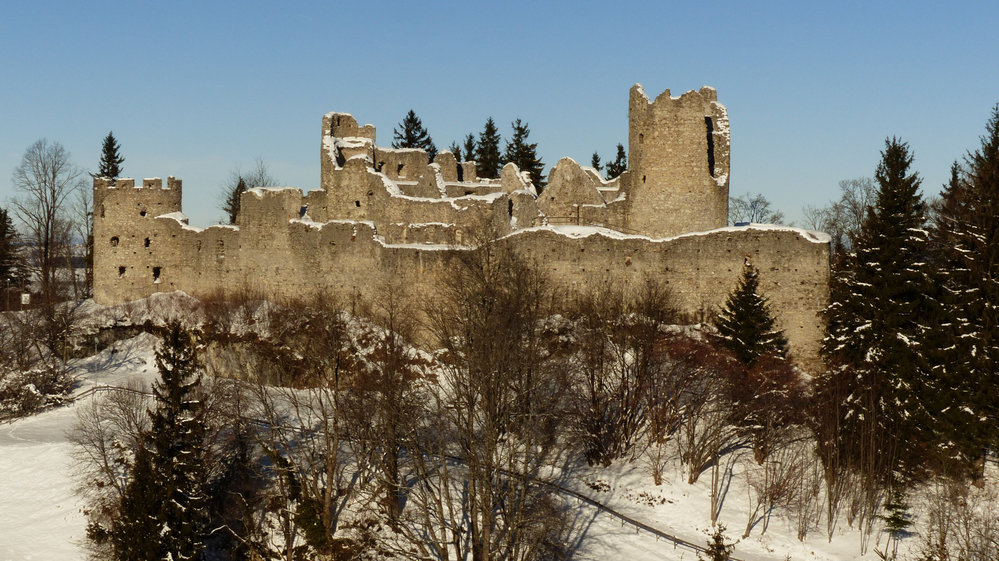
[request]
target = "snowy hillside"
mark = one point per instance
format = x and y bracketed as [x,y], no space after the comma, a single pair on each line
[40,515]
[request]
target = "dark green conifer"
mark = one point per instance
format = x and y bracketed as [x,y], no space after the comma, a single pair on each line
[966,240]
[487,151]
[878,333]
[176,440]
[11,267]
[469,147]
[619,165]
[746,323]
[524,154]
[135,535]
[111,159]
[595,162]
[413,135]
[231,204]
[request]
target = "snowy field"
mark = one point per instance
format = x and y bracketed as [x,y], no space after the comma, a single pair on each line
[41,518]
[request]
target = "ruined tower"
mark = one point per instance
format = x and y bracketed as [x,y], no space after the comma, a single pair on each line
[124,239]
[678,162]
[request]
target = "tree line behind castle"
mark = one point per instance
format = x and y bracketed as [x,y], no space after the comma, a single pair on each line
[908,393]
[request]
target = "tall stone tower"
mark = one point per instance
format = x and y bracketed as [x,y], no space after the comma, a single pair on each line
[678,162]
[125,242]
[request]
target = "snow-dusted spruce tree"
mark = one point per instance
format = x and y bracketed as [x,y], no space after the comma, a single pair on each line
[524,153]
[487,151]
[174,442]
[411,134]
[747,324]
[966,240]
[878,332]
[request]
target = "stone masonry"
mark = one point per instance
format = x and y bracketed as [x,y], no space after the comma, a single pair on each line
[383,213]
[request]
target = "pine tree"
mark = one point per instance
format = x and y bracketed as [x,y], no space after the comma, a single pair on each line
[966,240]
[470,147]
[231,204]
[487,152]
[877,335]
[411,134]
[111,160]
[746,323]
[176,445]
[524,154]
[456,150]
[619,165]
[595,162]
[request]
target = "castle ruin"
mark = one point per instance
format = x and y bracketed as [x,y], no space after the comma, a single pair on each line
[384,213]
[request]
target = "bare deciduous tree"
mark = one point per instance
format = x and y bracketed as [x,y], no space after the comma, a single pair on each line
[753,208]
[239,181]
[842,218]
[47,180]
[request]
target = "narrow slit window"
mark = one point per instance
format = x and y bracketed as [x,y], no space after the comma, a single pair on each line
[121,272]
[711,145]
[145,243]
[142,213]
[156,274]
[114,241]
[357,204]
[399,169]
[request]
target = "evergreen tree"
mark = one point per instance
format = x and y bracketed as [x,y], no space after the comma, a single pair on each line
[176,445]
[746,323]
[619,165]
[717,549]
[966,239]
[231,204]
[469,147]
[487,152]
[456,150]
[411,134]
[877,335]
[135,534]
[524,154]
[11,269]
[595,162]
[111,160]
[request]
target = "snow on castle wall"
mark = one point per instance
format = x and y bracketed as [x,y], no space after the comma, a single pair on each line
[383,213]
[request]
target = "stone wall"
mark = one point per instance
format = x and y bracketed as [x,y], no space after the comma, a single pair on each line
[384,214]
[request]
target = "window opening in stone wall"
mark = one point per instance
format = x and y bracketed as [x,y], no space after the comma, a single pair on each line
[114,241]
[156,274]
[145,243]
[303,210]
[121,272]
[357,204]
[711,145]
[220,249]
[641,138]
[399,168]
[509,207]
[380,166]
[461,173]
[102,211]
[142,213]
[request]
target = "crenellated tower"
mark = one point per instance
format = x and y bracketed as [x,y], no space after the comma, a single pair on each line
[678,162]
[124,239]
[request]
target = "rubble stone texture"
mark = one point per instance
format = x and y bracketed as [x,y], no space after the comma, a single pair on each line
[384,213]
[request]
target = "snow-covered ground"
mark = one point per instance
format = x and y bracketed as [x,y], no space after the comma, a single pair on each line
[41,518]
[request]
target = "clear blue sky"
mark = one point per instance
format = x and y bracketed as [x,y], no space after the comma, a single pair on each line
[195,89]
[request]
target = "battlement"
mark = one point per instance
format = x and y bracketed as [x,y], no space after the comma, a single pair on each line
[122,183]
[383,213]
